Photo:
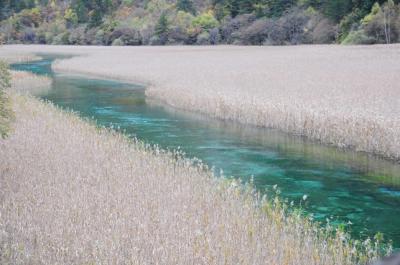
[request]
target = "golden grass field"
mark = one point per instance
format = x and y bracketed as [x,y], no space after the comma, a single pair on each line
[347,96]
[72,193]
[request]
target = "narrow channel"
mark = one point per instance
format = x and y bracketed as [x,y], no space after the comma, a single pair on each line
[343,186]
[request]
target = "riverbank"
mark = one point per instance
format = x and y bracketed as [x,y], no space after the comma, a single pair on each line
[74,193]
[343,96]
[28,83]
[10,56]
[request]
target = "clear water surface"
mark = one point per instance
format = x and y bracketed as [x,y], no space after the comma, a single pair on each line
[345,185]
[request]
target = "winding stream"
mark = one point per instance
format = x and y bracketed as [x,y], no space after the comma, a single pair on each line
[346,186]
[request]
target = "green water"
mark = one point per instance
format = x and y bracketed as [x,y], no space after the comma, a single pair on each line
[347,186]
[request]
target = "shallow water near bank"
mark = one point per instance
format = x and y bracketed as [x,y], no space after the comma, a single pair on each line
[348,186]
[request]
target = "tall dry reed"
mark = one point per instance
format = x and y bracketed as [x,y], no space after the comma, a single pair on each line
[28,83]
[72,193]
[344,96]
[11,56]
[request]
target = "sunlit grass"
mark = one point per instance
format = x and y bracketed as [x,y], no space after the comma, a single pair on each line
[75,193]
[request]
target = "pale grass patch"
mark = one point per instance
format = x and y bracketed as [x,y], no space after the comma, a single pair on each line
[25,82]
[11,56]
[345,96]
[72,193]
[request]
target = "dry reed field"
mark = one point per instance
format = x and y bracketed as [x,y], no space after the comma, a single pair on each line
[10,56]
[344,96]
[72,193]
[29,83]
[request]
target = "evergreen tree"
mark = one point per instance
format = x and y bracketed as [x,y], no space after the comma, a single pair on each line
[186,6]
[81,11]
[95,18]
[337,9]
[277,7]
[162,28]
[246,6]
[233,6]
[4,9]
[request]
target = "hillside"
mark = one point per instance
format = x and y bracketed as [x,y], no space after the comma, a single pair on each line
[161,22]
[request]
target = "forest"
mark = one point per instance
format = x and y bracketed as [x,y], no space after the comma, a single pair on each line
[196,22]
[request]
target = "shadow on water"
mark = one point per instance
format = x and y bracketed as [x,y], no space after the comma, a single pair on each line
[345,185]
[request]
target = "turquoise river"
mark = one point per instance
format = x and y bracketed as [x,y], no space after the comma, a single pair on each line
[342,186]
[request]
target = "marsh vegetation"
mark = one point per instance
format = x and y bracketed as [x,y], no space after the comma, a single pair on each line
[342,96]
[76,193]
[132,203]
[5,108]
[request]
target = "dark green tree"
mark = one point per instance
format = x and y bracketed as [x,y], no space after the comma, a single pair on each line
[162,28]
[95,18]
[233,7]
[337,9]
[277,7]
[246,6]
[8,7]
[81,11]
[186,6]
